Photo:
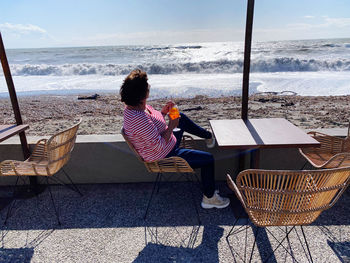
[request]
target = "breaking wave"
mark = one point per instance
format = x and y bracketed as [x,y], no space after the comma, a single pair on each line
[283,64]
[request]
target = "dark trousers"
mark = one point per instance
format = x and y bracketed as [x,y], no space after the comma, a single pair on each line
[195,158]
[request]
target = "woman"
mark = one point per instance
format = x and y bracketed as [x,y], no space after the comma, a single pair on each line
[153,139]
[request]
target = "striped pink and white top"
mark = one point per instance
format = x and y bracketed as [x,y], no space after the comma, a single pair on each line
[144,131]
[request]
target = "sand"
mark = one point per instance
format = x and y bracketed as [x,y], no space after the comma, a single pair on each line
[48,114]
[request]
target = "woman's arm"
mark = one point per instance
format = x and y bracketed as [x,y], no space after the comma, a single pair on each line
[169,131]
[144,129]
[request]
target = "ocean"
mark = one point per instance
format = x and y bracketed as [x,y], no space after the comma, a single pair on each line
[304,67]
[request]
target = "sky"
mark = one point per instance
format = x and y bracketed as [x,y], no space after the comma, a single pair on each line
[66,23]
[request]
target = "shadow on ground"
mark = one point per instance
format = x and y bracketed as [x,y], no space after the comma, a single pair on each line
[123,205]
[206,251]
[171,214]
[113,205]
[341,249]
[22,255]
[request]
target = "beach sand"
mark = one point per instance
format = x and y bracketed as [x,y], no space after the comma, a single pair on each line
[47,115]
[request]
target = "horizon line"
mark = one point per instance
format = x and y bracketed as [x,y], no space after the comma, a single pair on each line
[179,43]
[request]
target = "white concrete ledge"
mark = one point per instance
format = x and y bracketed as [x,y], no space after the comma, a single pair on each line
[108,159]
[93,138]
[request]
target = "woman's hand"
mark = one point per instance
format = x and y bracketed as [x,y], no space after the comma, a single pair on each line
[173,123]
[167,107]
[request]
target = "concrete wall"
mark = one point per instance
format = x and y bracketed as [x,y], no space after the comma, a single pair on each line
[107,159]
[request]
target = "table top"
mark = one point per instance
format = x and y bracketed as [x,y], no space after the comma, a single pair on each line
[260,133]
[7,131]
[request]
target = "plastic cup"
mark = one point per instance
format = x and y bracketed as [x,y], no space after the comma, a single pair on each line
[174,112]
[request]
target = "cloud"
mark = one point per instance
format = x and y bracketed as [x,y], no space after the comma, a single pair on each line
[309,17]
[338,22]
[318,27]
[21,29]
[25,35]
[326,23]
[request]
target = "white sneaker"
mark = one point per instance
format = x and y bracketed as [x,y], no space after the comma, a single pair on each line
[216,201]
[210,142]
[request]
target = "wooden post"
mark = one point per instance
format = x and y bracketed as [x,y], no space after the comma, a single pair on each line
[246,69]
[13,97]
[246,66]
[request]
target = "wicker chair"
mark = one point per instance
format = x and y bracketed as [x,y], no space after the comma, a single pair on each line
[48,158]
[168,165]
[334,151]
[288,198]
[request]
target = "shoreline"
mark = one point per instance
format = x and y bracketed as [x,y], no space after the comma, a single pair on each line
[48,114]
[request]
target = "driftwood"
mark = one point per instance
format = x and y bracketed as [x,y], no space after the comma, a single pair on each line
[288,104]
[283,101]
[195,108]
[285,92]
[92,97]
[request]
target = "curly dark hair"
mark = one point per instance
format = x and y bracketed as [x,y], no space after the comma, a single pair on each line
[134,88]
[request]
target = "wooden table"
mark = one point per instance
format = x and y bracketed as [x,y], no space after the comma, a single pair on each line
[7,131]
[260,133]
[255,134]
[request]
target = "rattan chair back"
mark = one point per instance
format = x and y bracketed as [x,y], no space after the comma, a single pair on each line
[285,198]
[330,144]
[347,140]
[131,146]
[60,147]
[48,157]
[334,151]
[167,165]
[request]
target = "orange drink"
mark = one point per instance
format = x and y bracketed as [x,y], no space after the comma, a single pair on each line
[174,113]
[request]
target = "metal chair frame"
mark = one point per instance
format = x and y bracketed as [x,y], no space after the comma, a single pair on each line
[48,158]
[256,234]
[171,165]
[287,198]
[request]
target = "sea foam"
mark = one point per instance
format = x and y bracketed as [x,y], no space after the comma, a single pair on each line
[190,85]
[282,64]
[307,67]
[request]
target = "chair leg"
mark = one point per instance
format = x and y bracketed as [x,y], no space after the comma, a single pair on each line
[150,199]
[307,245]
[302,168]
[237,231]
[71,181]
[53,203]
[234,224]
[59,181]
[71,186]
[287,237]
[159,182]
[12,204]
[231,232]
[280,243]
[243,228]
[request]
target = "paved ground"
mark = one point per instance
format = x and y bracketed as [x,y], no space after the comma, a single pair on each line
[106,225]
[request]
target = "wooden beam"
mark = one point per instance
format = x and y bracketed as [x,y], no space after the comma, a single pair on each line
[13,97]
[247,51]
